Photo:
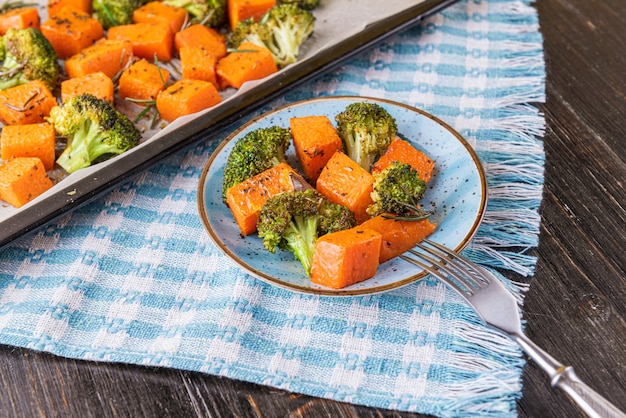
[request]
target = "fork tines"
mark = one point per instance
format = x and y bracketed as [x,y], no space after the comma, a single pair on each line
[448,266]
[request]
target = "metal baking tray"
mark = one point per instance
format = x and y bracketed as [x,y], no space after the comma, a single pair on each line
[343,28]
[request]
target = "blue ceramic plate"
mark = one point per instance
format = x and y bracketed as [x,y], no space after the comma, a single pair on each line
[457,193]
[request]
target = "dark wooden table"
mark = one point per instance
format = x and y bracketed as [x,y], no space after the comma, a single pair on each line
[576,306]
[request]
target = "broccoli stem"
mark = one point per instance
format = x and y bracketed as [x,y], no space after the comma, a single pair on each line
[11,82]
[12,73]
[87,144]
[355,150]
[300,238]
[287,46]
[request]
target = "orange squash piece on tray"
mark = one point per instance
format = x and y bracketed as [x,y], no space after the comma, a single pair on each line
[345,257]
[143,80]
[32,140]
[249,62]
[157,12]
[107,56]
[26,103]
[149,40]
[315,141]
[71,30]
[97,84]
[23,179]
[246,199]
[244,9]
[405,152]
[198,64]
[186,97]
[20,18]
[201,36]
[398,236]
[345,182]
[55,5]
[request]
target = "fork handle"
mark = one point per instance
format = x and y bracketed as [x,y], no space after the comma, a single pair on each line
[564,377]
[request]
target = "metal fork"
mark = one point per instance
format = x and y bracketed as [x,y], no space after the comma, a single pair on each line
[493,302]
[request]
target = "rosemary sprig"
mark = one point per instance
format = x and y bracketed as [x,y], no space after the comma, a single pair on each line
[150,105]
[18,4]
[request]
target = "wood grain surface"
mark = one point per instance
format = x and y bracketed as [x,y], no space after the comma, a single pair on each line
[576,306]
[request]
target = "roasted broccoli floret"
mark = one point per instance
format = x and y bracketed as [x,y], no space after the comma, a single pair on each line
[247,30]
[115,12]
[28,55]
[294,220]
[282,30]
[398,190]
[210,13]
[366,130]
[254,153]
[289,26]
[94,129]
[305,4]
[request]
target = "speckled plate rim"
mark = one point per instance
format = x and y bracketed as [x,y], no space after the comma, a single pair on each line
[323,291]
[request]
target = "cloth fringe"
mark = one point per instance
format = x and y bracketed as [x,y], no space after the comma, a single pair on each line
[515,165]
[513,159]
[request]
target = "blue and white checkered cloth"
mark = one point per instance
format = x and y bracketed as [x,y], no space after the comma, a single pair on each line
[132,276]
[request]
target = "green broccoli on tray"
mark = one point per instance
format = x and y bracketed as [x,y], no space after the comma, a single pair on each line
[210,13]
[28,56]
[282,30]
[115,12]
[94,129]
